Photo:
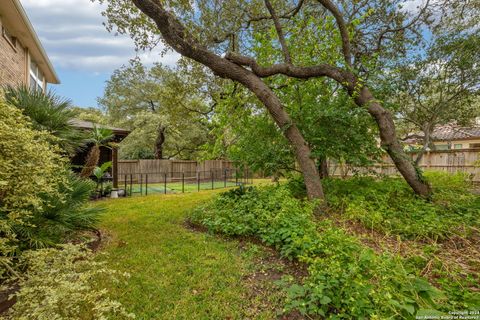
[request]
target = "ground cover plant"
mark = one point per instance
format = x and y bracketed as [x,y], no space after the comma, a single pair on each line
[387,205]
[347,277]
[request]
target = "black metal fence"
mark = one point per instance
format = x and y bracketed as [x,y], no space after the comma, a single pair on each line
[181,182]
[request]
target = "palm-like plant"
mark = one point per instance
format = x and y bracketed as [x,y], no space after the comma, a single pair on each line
[48,112]
[57,222]
[99,137]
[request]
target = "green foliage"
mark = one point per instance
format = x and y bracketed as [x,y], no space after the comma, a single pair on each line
[98,172]
[41,201]
[388,205]
[30,169]
[60,283]
[346,280]
[64,215]
[328,121]
[148,99]
[48,112]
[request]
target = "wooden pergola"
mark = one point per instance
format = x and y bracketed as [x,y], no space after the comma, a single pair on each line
[106,153]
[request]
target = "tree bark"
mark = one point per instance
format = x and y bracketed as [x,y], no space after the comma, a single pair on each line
[391,144]
[292,133]
[175,34]
[323,168]
[426,142]
[91,161]
[159,142]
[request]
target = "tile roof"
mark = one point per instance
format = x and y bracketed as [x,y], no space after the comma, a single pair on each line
[450,132]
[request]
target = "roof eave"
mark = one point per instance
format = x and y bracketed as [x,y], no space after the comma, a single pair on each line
[51,76]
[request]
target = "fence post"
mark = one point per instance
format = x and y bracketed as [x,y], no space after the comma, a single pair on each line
[131,178]
[141,184]
[198,181]
[165,183]
[236,177]
[125,186]
[183,182]
[211,173]
[225,178]
[146,184]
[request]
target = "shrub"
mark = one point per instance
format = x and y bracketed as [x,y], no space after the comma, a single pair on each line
[62,217]
[346,280]
[388,205]
[41,201]
[48,112]
[29,170]
[59,283]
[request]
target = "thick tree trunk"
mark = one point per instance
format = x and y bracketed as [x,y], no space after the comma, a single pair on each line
[391,144]
[91,161]
[426,142]
[292,133]
[323,168]
[159,142]
[177,37]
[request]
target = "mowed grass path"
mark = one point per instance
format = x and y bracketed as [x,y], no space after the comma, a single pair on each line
[175,273]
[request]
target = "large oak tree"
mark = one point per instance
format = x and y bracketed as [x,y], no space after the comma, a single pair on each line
[350,41]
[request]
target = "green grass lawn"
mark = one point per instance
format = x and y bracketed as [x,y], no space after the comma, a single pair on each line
[177,273]
[176,187]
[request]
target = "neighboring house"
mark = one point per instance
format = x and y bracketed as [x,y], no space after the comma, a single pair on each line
[22,57]
[451,137]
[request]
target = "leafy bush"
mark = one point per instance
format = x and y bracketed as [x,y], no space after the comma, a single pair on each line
[41,201]
[388,205]
[64,215]
[346,280]
[60,284]
[29,170]
[48,112]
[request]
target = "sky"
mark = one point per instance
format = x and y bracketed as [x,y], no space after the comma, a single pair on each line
[82,52]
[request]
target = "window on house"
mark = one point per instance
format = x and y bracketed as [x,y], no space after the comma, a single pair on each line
[458,146]
[442,147]
[475,145]
[36,77]
[10,38]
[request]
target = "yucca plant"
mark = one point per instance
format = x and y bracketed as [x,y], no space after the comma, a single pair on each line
[49,112]
[99,137]
[58,220]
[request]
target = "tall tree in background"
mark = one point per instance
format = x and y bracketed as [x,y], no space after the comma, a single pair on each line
[353,40]
[442,84]
[167,116]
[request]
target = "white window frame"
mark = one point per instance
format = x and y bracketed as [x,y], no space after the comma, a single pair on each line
[12,40]
[38,82]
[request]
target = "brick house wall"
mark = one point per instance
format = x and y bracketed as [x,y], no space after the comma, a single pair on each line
[13,61]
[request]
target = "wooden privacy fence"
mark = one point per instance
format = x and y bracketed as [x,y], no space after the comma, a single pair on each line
[175,169]
[178,176]
[457,160]
[171,166]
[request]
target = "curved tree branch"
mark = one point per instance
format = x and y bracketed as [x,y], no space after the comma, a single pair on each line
[342,27]
[278,28]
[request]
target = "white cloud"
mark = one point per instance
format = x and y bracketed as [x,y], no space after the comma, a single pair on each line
[73,35]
